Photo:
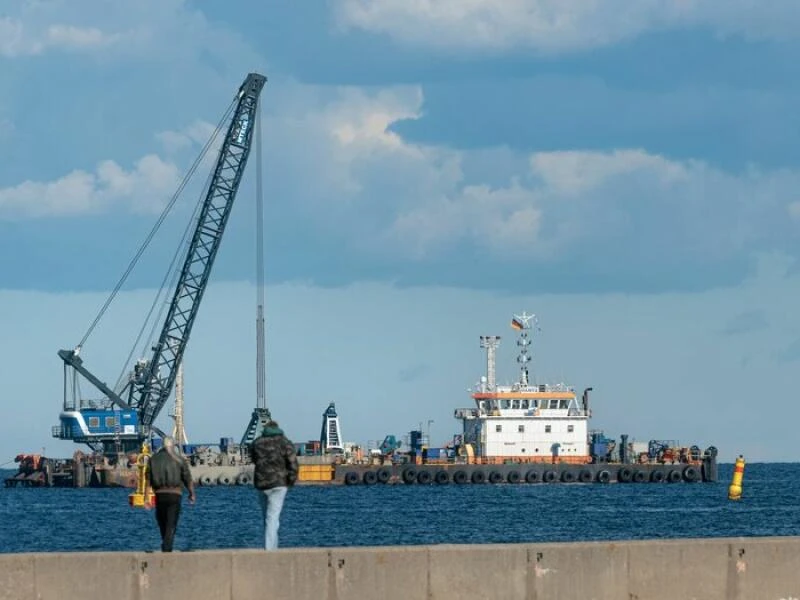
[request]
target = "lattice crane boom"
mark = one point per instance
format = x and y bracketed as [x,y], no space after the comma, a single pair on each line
[152,380]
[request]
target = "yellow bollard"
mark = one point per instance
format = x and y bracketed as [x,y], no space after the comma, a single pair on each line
[143,496]
[735,489]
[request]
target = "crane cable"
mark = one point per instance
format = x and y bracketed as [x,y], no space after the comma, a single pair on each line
[157,225]
[180,252]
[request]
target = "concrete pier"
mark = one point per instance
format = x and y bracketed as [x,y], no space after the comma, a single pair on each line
[703,569]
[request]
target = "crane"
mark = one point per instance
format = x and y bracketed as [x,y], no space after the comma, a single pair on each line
[123,419]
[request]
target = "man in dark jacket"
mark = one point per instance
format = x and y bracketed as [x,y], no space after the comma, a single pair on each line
[275,472]
[168,473]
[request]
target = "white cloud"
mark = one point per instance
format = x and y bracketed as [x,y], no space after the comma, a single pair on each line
[340,172]
[18,39]
[558,25]
[144,188]
[196,134]
[383,194]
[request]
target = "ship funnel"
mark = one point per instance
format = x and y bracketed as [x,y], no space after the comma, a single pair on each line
[490,342]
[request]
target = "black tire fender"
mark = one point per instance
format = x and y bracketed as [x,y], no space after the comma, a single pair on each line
[657,476]
[533,476]
[424,477]
[409,475]
[691,474]
[442,477]
[479,476]
[513,477]
[550,477]
[370,477]
[603,476]
[495,477]
[351,478]
[384,475]
[625,475]
[639,476]
[674,476]
[568,476]
[585,476]
[460,477]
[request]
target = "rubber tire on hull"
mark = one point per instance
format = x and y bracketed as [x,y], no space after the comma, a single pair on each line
[513,477]
[384,475]
[409,476]
[533,476]
[625,475]
[243,479]
[495,477]
[639,476]
[691,474]
[460,477]
[442,477]
[585,476]
[370,478]
[674,476]
[568,477]
[478,476]
[206,480]
[351,478]
[603,476]
[657,476]
[225,480]
[424,477]
[550,477]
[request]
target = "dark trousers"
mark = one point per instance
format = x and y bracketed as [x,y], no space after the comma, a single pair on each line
[168,509]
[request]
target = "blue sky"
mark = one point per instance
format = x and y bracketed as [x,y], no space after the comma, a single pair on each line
[628,171]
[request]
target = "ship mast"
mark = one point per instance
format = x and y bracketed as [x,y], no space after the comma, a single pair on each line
[178,430]
[490,342]
[523,324]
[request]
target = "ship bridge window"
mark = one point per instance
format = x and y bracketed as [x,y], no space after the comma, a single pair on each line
[524,404]
[109,421]
[94,421]
[563,403]
[553,403]
[515,404]
[505,403]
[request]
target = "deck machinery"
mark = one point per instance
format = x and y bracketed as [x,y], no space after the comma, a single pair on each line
[125,416]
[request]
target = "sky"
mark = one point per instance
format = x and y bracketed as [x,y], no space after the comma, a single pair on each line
[626,171]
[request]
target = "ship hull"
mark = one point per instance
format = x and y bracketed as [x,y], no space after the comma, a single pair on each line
[465,474]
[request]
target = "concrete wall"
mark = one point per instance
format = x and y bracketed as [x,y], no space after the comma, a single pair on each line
[709,569]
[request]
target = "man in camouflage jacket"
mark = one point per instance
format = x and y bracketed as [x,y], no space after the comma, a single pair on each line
[275,472]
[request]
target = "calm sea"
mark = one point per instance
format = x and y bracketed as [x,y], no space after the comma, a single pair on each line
[48,520]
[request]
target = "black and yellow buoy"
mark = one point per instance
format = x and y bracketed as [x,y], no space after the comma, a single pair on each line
[735,489]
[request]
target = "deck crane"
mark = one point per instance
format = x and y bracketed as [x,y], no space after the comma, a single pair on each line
[123,420]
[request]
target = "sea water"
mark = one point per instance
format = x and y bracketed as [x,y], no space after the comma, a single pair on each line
[53,519]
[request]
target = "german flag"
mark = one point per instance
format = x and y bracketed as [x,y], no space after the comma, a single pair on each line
[516,324]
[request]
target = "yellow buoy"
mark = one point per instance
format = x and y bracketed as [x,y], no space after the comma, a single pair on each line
[143,497]
[735,489]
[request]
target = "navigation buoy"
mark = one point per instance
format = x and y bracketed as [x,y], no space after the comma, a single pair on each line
[143,497]
[735,489]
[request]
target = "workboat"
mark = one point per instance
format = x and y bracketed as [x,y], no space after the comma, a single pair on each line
[529,432]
